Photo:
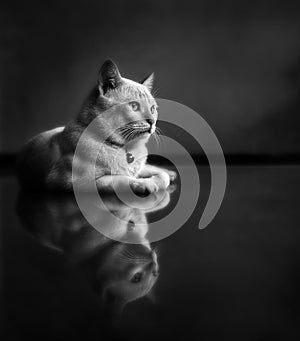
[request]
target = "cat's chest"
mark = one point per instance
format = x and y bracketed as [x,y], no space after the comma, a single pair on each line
[136,158]
[133,161]
[123,161]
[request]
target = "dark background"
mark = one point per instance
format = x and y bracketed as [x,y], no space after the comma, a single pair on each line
[237,63]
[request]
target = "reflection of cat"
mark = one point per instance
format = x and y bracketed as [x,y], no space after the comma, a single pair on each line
[126,113]
[118,272]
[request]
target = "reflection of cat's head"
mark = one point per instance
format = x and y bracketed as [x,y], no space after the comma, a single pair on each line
[120,102]
[125,273]
[118,272]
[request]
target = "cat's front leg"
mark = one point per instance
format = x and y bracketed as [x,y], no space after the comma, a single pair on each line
[162,177]
[115,183]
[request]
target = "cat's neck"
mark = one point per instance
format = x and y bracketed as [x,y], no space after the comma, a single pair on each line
[136,144]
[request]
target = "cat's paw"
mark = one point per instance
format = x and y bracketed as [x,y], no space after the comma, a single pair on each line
[144,187]
[162,180]
[172,174]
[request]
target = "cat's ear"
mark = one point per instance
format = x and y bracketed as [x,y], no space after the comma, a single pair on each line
[109,76]
[148,81]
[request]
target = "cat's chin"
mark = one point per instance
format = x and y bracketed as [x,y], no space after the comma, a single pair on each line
[143,136]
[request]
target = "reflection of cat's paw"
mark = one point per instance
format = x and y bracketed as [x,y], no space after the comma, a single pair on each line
[143,187]
[171,188]
[172,174]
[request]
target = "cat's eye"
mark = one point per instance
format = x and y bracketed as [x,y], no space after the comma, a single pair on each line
[137,277]
[135,106]
[153,109]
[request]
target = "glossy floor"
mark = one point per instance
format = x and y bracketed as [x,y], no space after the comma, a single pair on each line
[235,280]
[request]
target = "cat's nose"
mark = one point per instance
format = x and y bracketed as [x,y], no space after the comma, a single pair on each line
[150,121]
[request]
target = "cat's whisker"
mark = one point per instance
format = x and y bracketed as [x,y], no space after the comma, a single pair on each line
[133,259]
[157,250]
[129,256]
[125,260]
[127,135]
[135,134]
[128,253]
[155,91]
[131,135]
[155,136]
[158,131]
[123,129]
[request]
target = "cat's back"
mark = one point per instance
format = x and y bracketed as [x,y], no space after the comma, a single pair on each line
[37,157]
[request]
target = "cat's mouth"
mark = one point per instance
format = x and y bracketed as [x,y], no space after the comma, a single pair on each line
[142,128]
[141,133]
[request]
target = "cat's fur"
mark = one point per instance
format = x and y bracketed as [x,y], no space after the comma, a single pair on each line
[110,266]
[46,160]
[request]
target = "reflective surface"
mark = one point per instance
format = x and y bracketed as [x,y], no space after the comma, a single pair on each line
[236,280]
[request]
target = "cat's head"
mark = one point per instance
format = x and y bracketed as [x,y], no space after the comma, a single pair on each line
[127,273]
[125,108]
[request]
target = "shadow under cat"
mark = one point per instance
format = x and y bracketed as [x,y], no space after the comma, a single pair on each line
[119,273]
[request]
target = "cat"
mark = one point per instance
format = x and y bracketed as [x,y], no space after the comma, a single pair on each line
[126,113]
[119,273]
